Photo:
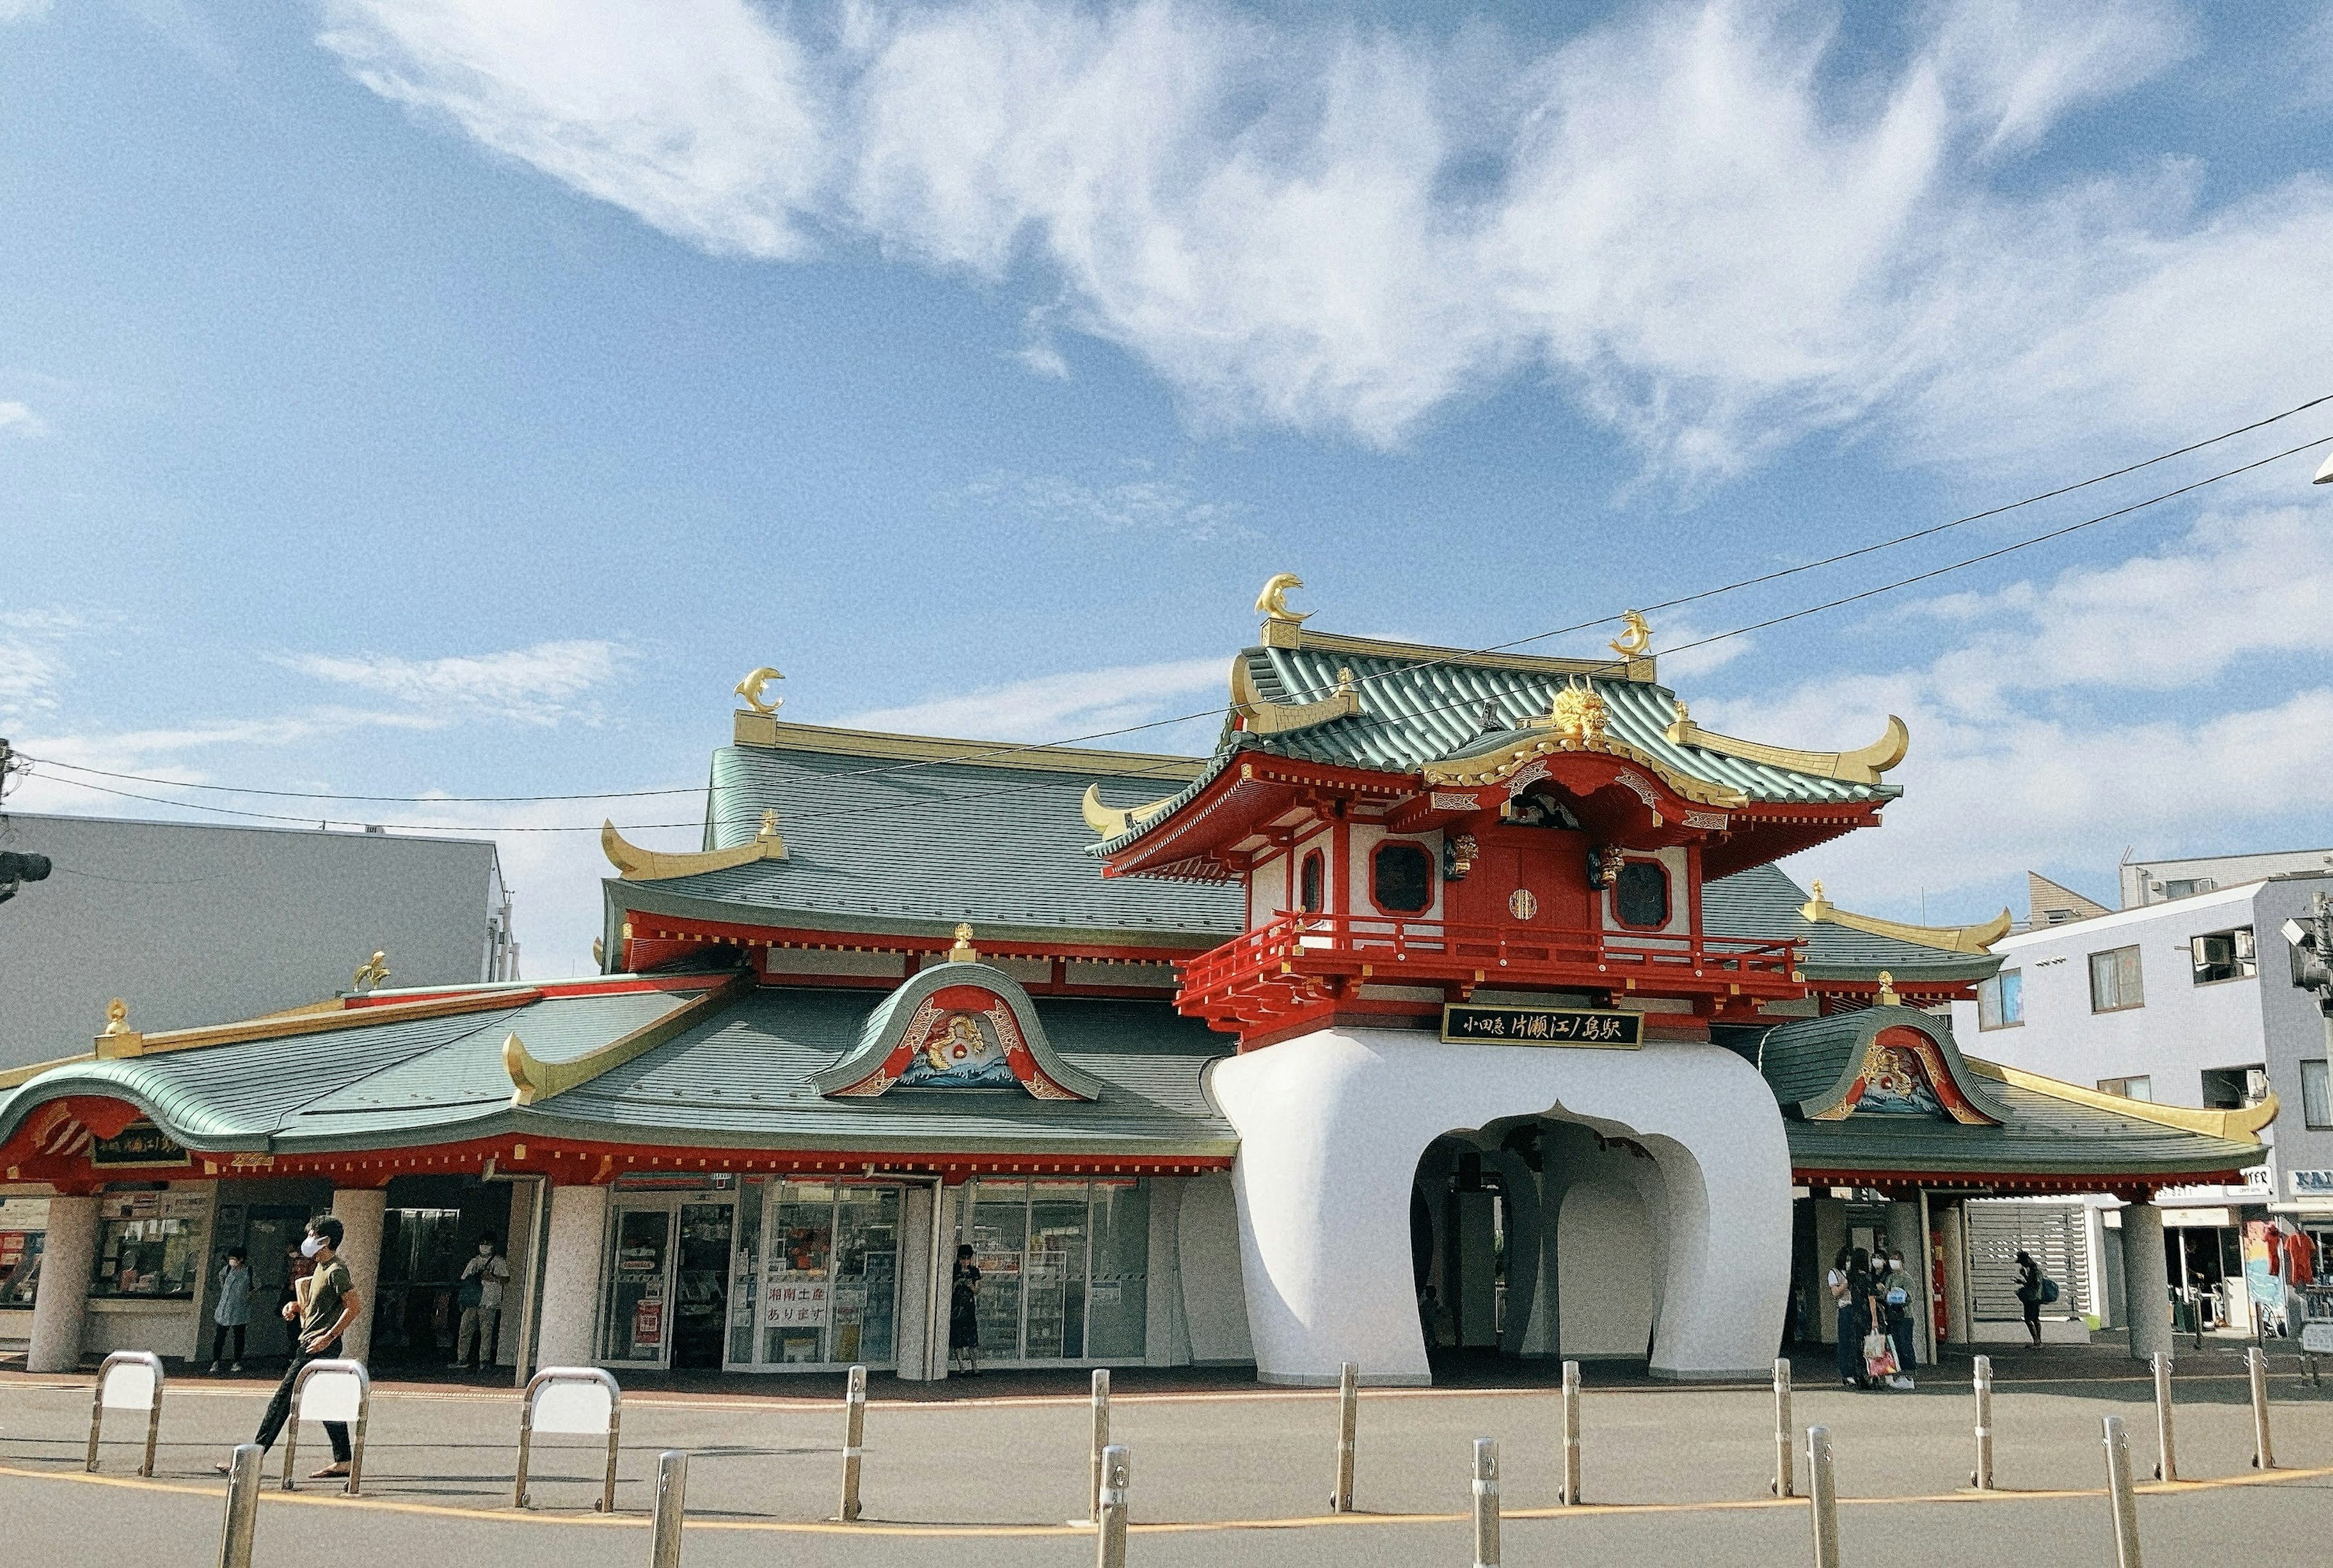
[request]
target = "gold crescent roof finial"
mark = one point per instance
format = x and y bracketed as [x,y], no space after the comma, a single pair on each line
[1636,638]
[1272,602]
[749,689]
[370,973]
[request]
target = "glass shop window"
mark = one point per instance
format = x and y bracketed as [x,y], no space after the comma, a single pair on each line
[1064,1267]
[2001,1001]
[2139,1088]
[1309,883]
[24,1231]
[1401,877]
[2115,982]
[1640,894]
[2316,1108]
[802,1245]
[146,1257]
[2224,956]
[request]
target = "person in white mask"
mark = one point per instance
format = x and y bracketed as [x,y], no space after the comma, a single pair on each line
[325,1304]
[480,1295]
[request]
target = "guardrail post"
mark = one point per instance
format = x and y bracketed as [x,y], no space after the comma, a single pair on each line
[245,1477]
[127,1381]
[2125,1502]
[1486,1502]
[2167,1452]
[1822,1498]
[1348,1401]
[1571,1433]
[1109,1529]
[671,1504]
[582,1400]
[854,1434]
[1981,1476]
[1784,1484]
[346,1398]
[2263,1455]
[1100,1442]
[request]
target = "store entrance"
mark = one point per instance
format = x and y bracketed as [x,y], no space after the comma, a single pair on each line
[701,1285]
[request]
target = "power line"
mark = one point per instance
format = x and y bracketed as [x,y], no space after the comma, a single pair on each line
[873,808]
[1006,749]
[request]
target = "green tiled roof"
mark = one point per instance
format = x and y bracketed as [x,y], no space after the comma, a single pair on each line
[1764,903]
[1430,707]
[881,1029]
[921,847]
[740,1078]
[1810,1064]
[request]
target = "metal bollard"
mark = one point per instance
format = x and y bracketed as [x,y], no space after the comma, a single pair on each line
[2125,1502]
[1784,1483]
[854,1434]
[1348,1411]
[242,1526]
[1109,1530]
[1486,1502]
[1981,1476]
[2166,1461]
[1100,1442]
[671,1504]
[2263,1455]
[1822,1497]
[1571,1434]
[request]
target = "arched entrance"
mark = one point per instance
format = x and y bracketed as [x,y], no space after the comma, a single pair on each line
[1665,1169]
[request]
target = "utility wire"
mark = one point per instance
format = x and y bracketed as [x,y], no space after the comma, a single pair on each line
[1006,749]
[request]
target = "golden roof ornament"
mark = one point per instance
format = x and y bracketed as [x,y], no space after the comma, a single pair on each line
[1578,713]
[119,1039]
[1888,997]
[370,973]
[750,690]
[1280,623]
[964,952]
[116,1018]
[1635,638]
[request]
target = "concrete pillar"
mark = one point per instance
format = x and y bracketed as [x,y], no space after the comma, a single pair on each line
[360,1211]
[1166,1335]
[2145,1290]
[570,1276]
[518,1251]
[68,1256]
[1958,1329]
[1905,1236]
[914,1349]
[1831,1234]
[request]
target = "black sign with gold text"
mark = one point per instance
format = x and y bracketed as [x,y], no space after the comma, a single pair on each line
[1464,1023]
[140,1143]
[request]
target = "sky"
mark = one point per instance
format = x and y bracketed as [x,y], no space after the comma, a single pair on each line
[456,397]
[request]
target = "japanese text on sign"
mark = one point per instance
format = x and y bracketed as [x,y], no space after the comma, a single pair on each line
[1463,1023]
[797,1304]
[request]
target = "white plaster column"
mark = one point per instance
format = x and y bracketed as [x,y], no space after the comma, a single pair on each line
[1166,1335]
[570,1276]
[1331,1127]
[360,1211]
[68,1256]
[913,1352]
[2145,1287]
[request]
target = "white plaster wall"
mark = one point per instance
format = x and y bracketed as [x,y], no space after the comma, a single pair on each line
[1674,860]
[570,1276]
[1363,841]
[1210,1256]
[1331,1127]
[1603,1270]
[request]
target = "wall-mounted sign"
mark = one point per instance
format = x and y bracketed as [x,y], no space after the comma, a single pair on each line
[2310,1183]
[1463,1023]
[141,1143]
[799,1304]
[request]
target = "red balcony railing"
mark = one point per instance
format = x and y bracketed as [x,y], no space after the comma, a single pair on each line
[1261,972]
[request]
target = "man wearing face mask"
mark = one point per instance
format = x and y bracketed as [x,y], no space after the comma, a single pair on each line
[480,1294]
[325,1304]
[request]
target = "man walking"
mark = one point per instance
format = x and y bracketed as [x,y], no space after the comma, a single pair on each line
[325,1304]
[480,1294]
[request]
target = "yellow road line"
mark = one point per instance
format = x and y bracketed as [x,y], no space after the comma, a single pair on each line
[830,1527]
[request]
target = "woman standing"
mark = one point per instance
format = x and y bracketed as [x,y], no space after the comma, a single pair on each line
[1848,1305]
[233,1314]
[963,1314]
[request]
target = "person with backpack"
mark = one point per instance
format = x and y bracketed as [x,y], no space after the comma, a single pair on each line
[2030,1288]
[479,1295]
[1898,1291]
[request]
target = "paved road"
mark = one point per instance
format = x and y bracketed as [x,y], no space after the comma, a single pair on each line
[1221,1473]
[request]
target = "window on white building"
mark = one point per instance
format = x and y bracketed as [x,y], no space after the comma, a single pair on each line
[2315,1109]
[2115,981]
[2001,1001]
[2224,956]
[2234,1088]
[2139,1088]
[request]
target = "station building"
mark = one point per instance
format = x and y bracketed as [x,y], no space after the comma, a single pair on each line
[1453,1005]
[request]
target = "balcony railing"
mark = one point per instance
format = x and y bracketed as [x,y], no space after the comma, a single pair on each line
[1263,970]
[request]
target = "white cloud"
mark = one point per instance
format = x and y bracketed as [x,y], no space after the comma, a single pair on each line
[1080,702]
[17,418]
[22,10]
[1146,503]
[533,685]
[1714,232]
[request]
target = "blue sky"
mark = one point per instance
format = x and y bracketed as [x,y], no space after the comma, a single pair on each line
[459,397]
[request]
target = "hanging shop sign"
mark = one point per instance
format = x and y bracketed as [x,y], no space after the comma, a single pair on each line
[141,1145]
[2310,1183]
[1464,1023]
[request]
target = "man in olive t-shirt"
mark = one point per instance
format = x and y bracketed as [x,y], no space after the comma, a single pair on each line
[325,1305]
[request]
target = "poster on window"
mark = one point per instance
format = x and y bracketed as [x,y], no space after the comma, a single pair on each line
[648,1324]
[797,1304]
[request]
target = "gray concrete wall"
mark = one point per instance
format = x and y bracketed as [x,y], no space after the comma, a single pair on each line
[193,924]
